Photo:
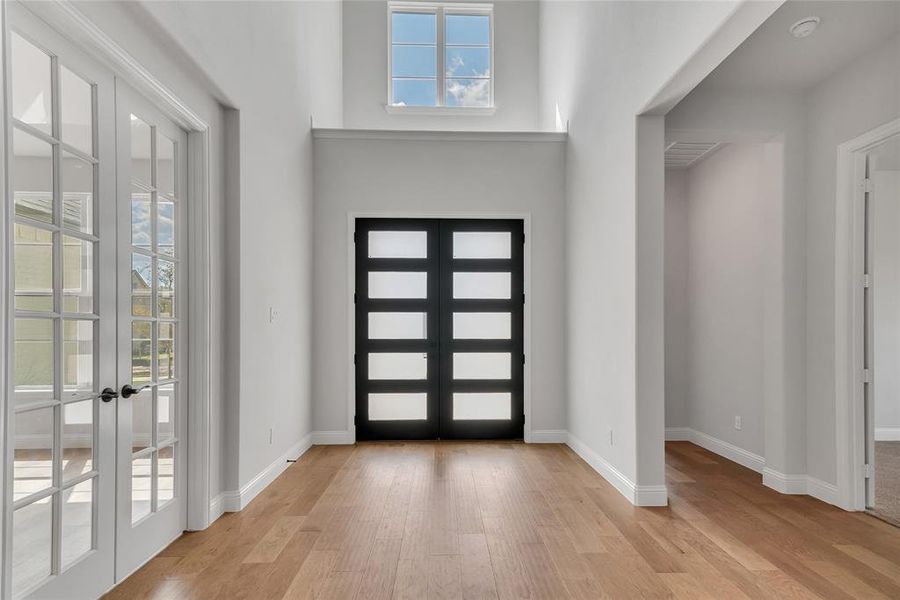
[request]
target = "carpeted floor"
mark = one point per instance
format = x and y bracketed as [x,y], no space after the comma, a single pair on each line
[887,481]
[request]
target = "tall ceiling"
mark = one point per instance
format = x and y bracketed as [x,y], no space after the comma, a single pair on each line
[772,58]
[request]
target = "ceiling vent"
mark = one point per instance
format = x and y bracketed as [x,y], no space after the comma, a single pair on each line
[680,155]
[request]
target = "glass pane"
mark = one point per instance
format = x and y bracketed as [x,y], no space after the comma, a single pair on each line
[165,475]
[77,183]
[413,28]
[141,349]
[398,407]
[76,108]
[78,275]
[165,274]
[140,487]
[141,158]
[482,244]
[77,521]
[78,356]
[482,285]
[398,244]
[468,92]
[141,285]
[398,284]
[462,61]
[398,365]
[32,177]
[166,355]
[413,61]
[481,365]
[34,360]
[482,326]
[165,412]
[468,29]
[397,326]
[415,92]
[31,544]
[141,420]
[33,452]
[30,84]
[141,225]
[487,406]
[165,166]
[34,268]
[165,227]
[77,439]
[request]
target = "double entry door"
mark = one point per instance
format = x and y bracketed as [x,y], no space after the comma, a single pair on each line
[439,328]
[94,453]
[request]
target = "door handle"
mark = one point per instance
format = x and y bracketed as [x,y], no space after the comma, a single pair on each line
[128,390]
[108,394]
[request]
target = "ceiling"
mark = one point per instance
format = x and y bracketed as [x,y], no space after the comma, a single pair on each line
[771,58]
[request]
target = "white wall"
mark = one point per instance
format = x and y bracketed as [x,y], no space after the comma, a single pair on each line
[677,355]
[515,64]
[443,178]
[587,50]
[259,54]
[885,225]
[858,98]
[727,196]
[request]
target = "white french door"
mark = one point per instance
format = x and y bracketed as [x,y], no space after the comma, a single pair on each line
[152,413]
[94,477]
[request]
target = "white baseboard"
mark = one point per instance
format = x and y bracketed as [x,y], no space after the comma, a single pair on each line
[800,485]
[216,507]
[333,438]
[547,436]
[822,490]
[887,434]
[237,500]
[722,448]
[637,495]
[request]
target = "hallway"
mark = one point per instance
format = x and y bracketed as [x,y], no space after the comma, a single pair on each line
[509,520]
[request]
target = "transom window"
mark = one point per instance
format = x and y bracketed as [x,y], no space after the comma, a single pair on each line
[441,55]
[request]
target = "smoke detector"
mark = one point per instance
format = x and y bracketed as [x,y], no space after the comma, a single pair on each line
[804,27]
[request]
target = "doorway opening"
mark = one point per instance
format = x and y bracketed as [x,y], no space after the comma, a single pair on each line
[439,328]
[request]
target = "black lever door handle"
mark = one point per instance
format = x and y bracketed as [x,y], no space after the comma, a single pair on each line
[108,394]
[128,390]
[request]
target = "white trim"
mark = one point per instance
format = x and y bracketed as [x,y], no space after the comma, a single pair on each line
[324,133]
[217,507]
[547,436]
[887,434]
[715,445]
[648,495]
[822,490]
[440,111]
[850,423]
[351,307]
[333,438]
[235,501]
[800,485]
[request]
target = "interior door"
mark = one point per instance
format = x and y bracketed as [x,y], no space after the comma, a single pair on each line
[152,410]
[439,328]
[59,493]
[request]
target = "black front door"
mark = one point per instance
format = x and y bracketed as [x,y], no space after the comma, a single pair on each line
[439,328]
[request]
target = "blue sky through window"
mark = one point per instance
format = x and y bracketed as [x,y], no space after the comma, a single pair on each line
[467,60]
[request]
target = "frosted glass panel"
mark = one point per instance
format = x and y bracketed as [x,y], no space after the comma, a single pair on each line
[398,284]
[398,244]
[482,406]
[397,326]
[398,365]
[482,326]
[481,365]
[481,244]
[482,285]
[398,407]
[76,107]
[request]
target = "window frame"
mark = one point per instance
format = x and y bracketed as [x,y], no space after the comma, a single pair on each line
[440,10]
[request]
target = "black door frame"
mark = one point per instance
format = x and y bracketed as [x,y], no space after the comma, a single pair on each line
[439,344]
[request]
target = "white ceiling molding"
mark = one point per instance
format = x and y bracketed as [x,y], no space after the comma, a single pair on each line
[449,136]
[681,155]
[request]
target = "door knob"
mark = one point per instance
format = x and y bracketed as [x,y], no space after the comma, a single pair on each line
[108,394]
[128,390]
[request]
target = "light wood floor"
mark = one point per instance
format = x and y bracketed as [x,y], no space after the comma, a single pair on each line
[506,520]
